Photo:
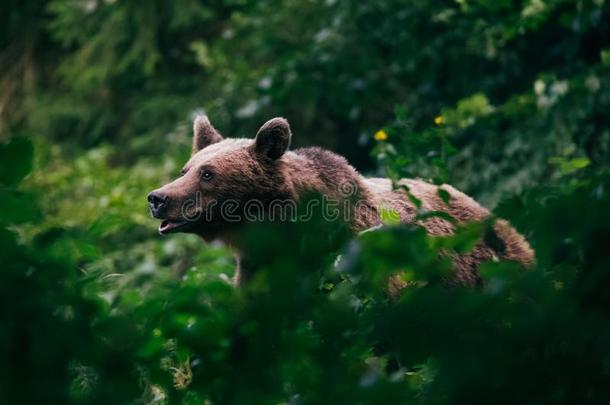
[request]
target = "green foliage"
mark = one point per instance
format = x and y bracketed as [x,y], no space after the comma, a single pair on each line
[505,100]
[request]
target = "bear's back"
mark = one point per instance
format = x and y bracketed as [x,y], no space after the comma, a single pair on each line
[509,244]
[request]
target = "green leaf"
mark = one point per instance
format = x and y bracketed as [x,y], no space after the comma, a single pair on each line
[444,195]
[16,157]
[389,216]
[436,214]
[17,207]
[414,200]
[569,166]
[605,57]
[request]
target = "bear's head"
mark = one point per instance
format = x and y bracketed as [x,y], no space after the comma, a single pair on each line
[222,175]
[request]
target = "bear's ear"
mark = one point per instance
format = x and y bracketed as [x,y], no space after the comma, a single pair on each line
[273,139]
[204,134]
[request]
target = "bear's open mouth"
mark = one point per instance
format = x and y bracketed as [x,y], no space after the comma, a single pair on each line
[168,226]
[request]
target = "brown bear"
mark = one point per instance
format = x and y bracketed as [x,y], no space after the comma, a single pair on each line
[227,178]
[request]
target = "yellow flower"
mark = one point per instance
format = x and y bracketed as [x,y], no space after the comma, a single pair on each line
[438,120]
[381,135]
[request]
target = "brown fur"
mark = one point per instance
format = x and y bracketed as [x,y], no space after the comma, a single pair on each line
[265,170]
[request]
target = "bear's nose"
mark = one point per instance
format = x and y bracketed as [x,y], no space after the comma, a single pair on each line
[157,202]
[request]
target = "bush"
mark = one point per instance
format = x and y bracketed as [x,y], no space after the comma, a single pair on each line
[505,100]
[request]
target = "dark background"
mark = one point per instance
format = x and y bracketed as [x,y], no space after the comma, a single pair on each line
[507,100]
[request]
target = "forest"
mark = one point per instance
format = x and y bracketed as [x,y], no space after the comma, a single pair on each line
[506,100]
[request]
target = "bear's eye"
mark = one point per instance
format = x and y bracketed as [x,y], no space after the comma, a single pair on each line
[207,175]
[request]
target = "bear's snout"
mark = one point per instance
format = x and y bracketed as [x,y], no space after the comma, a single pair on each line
[157,202]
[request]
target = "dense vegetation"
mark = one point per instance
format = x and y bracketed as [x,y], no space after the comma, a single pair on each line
[507,100]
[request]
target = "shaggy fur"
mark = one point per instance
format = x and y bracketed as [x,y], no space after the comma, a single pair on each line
[264,169]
